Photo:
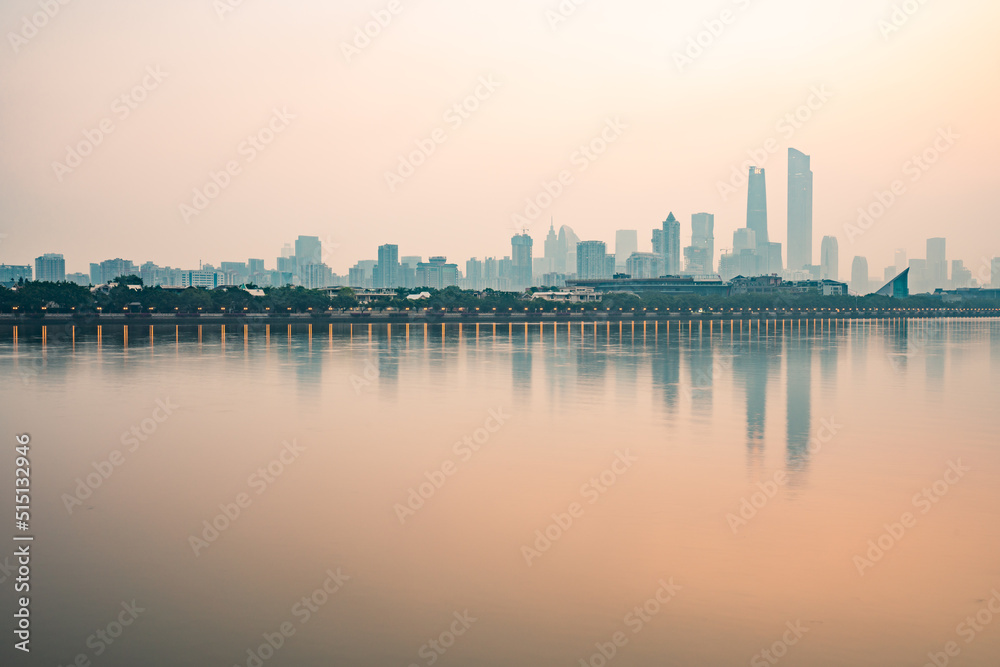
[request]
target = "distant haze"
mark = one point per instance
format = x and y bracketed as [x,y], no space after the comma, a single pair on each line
[542,84]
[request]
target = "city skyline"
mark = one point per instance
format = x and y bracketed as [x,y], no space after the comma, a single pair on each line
[302,264]
[324,171]
[559,251]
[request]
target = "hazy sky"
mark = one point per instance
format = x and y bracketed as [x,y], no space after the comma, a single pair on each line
[338,120]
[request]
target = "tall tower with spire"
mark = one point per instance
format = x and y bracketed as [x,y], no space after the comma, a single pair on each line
[552,250]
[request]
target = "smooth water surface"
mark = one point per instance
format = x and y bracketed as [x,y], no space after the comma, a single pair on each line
[665,494]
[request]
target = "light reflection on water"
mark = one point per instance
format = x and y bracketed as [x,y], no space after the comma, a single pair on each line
[710,417]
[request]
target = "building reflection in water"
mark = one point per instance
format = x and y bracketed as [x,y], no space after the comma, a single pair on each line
[521,364]
[752,366]
[798,405]
[667,368]
[702,368]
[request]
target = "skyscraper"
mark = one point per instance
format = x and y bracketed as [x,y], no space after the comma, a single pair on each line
[995,273]
[520,254]
[829,261]
[937,263]
[800,210]
[757,208]
[774,263]
[50,267]
[116,268]
[644,265]
[626,243]
[437,273]
[566,245]
[667,244]
[552,250]
[700,255]
[961,277]
[918,280]
[308,250]
[408,270]
[591,260]
[859,275]
[473,274]
[10,275]
[387,272]
[744,239]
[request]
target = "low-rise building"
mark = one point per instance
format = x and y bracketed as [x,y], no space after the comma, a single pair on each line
[578,295]
[665,285]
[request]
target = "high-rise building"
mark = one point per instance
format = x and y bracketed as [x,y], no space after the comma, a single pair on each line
[829,261]
[667,244]
[703,238]
[10,275]
[539,267]
[255,266]
[387,272]
[774,263]
[520,253]
[361,274]
[238,269]
[644,265]
[437,273]
[626,243]
[918,280]
[757,208]
[961,277]
[81,279]
[50,268]
[800,210]
[316,276]
[116,268]
[859,275]
[696,260]
[551,247]
[591,260]
[474,274]
[565,244]
[699,256]
[95,273]
[159,276]
[610,266]
[308,250]
[995,273]
[744,238]
[408,269]
[505,273]
[937,263]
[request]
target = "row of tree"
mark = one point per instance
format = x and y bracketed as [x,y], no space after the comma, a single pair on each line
[128,294]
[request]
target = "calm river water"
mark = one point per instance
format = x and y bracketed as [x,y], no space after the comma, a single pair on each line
[557,495]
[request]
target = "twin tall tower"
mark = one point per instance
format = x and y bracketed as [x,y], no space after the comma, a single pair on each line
[800,213]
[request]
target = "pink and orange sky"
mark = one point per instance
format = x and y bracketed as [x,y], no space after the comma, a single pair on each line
[222,74]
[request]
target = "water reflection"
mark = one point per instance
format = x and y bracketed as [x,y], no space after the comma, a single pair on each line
[702,370]
[666,368]
[798,405]
[691,403]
